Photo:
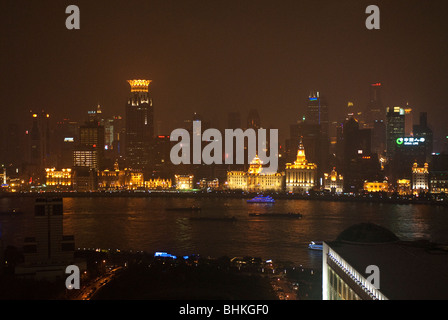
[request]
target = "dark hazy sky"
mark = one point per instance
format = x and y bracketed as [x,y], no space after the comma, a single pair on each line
[218,56]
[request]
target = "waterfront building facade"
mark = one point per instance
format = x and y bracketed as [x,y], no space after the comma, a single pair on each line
[420,179]
[334,182]
[376,186]
[254,180]
[184,182]
[301,176]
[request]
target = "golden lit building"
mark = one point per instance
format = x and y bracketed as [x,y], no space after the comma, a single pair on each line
[61,178]
[254,180]
[120,179]
[334,182]
[420,179]
[301,176]
[376,186]
[184,182]
[209,184]
[158,184]
[404,187]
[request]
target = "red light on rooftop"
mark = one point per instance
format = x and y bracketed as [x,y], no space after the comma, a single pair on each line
[378,84]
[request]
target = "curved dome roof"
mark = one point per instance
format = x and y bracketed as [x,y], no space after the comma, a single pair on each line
[367,233]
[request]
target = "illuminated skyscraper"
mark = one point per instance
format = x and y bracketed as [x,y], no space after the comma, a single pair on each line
[40,140]
[422,130]
[375,106]
[395,127]
[317,112]
[139,124]
[408,121]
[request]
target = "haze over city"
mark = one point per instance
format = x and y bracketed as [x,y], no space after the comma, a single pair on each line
[213,57]
[111,170]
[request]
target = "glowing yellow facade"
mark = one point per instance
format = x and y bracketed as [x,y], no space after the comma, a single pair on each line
[158,184]
[301,175]
[420,178]
[58,177]
[139,85]
[120,179]
[254,180]
[376,186]
[334,182]
[404,187]
[184,182]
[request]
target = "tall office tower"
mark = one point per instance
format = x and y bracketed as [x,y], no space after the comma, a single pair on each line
[359,163]
[65,138]
[95,115]
[408,121]
[395,122]
[119,134]
[49,251]
[35,155]
[375,106]
[351,113]
[40,135]
[12,145]
[379,137]
[422,130]
[253,120]
[317,112]
[139,124]
[315,142]
[91,143]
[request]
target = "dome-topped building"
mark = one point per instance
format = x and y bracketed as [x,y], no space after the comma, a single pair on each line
[367,233]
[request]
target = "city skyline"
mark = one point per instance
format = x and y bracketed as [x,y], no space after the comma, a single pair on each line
[224,150]
[214,58]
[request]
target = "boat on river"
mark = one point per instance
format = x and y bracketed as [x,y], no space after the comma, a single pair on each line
[316,245]
[261,199]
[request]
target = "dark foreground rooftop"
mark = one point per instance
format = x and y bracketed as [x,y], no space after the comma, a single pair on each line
[408,270]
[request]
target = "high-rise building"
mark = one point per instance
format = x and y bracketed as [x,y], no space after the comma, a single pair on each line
[379,137]
[408,121]
[139,124]
[422,130]
[317,112]
[395,128]
[40,134]
[358,161]
[375,106]
[90,145]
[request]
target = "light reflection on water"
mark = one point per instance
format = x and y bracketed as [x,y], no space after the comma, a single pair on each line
[144,224]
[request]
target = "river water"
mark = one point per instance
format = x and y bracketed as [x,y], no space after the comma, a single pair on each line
[144,224]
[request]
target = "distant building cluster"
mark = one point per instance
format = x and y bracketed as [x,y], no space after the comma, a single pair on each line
[376,149]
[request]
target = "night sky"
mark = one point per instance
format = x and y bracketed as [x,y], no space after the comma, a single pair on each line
[213,57]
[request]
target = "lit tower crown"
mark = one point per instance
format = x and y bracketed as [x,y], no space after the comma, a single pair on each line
[256,165]
[301,158]
[139,85]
